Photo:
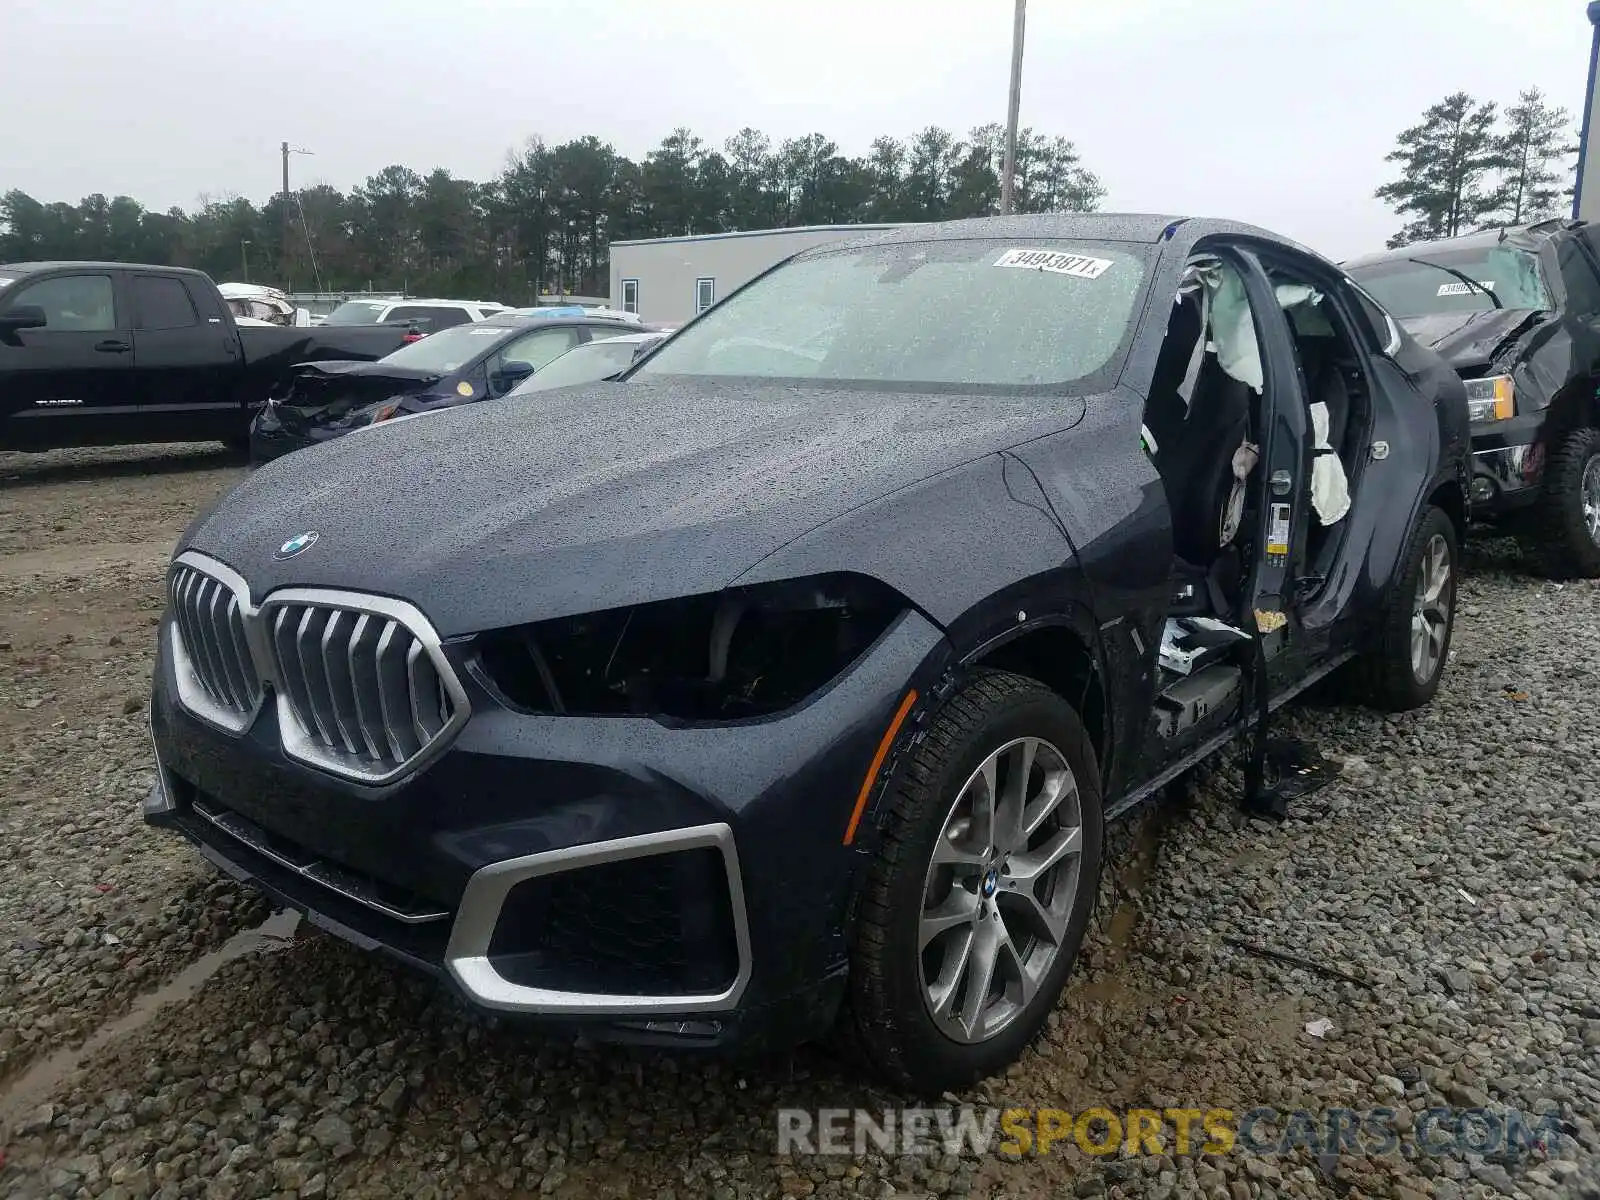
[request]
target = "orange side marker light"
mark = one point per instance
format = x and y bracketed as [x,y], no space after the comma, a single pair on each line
[877,764]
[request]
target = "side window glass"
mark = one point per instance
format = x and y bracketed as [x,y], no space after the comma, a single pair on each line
[1589,235]
[539,347]
[600,333]
[162,304]
[444,318]
[1578,274]
[72,303]
[1374,322]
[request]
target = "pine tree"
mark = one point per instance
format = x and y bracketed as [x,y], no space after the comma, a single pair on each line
[1446,161]
[1535,142]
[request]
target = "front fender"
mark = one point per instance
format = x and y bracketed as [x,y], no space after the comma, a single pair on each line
[947,543]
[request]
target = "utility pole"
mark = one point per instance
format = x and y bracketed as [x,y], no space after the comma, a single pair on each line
[244,255]
[1008,177]
[287,224]
[288,204]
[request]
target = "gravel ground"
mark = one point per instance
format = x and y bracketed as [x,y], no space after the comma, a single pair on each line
[1449,873]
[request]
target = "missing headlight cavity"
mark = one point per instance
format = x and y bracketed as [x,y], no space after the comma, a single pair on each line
[741,653]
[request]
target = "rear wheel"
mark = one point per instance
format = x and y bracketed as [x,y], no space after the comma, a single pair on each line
[1567,533]
[976,904]
[1403,669]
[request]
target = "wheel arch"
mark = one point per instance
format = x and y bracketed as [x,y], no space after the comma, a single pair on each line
[1054,653]
[1450,497]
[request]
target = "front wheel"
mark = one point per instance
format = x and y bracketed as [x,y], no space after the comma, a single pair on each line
[1568,529]
[1403,669]
[977,901]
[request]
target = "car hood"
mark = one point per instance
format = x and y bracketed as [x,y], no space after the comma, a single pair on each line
[1470,340]
[591,498]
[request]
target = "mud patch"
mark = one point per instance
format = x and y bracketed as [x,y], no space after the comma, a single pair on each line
[40,1081]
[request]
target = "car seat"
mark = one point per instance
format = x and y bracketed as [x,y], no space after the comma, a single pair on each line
[1196,463]
[1166,409]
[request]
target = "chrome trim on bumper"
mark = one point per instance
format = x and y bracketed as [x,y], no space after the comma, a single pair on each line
[160,798]
[467,956]
[1506,466]
[333,878]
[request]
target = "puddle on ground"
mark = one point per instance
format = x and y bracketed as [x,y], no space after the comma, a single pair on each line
[40,1081]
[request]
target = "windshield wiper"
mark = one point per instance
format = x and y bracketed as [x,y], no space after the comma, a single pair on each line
[1472,284]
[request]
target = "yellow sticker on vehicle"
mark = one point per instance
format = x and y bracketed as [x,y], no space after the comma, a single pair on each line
[1270,622]
[463,389]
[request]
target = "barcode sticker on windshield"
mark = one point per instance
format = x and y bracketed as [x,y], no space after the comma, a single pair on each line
[1056,262]
[1461,289]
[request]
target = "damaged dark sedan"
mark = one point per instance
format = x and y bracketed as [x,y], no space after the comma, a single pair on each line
[1517,312]
[785,691]
[464,364]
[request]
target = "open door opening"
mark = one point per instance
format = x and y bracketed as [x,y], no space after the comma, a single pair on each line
[1338,396]
[1202,423]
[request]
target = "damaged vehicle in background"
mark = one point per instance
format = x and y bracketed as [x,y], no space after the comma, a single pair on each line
[783,693]
[599,360]
[256,304]
[98,354]
[462,365]
[1517,312]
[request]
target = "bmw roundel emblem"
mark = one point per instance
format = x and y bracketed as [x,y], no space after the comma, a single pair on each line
[299,542]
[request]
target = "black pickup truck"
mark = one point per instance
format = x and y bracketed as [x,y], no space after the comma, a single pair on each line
[114,353]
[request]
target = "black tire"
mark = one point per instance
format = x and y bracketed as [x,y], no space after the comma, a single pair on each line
[1561,537]
[1385,677]
[886,1017]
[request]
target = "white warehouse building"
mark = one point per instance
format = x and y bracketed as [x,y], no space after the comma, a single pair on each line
[670,280]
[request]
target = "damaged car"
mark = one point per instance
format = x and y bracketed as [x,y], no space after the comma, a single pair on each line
[460,365]
[1516,311]
[786,691]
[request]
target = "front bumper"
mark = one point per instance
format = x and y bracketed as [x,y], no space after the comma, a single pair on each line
[683,886]
[270,438]
[1507,465]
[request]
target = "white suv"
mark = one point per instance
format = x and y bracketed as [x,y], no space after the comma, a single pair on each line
[428,316]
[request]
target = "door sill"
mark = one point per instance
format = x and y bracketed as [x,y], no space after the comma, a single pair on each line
[1211,745]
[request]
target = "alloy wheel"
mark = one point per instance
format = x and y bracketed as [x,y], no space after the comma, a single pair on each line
[1000,889]
[1589,494]
[1430,613]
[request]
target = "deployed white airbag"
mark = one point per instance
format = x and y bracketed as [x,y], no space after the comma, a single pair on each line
[1233,332]
[1330,491]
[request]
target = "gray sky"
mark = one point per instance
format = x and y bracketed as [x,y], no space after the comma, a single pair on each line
[1272,111]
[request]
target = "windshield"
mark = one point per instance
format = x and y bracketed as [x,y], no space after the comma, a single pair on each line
[1422,288]
[588,363]
[449,349]
[355,312]
[972,314]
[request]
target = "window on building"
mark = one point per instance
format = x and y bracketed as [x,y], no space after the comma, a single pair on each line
[630,295]
[704,295]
